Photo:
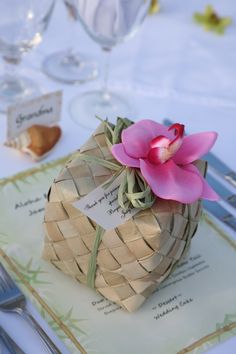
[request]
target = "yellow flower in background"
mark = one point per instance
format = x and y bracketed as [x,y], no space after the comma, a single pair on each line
[211,21]
[154,7]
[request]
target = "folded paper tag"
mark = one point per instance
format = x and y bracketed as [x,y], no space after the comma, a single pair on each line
[43,110]
[101,205]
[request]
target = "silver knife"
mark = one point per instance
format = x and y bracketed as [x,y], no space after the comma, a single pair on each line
[9,343]
[228,200]
[220,213]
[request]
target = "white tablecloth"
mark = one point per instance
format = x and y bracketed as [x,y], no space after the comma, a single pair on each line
[171,68]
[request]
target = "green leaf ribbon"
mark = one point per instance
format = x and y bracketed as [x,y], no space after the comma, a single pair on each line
[93,259]
[134,191]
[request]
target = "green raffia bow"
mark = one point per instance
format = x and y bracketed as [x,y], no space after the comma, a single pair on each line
[134,192]
[113,131]
[211,21]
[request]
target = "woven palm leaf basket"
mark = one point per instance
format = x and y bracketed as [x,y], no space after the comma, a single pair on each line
[132,259]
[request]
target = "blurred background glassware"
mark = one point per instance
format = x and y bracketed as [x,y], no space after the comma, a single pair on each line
[69,66]
[108,22]
[22,23]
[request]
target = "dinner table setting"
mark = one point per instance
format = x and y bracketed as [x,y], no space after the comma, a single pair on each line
[117,147]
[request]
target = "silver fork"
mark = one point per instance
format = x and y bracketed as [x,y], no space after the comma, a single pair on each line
[10,344]
[12,299]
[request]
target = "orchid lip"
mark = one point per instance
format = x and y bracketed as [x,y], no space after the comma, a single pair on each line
[162,149]
[179,132]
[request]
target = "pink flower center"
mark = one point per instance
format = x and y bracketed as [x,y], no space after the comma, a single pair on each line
[162,148]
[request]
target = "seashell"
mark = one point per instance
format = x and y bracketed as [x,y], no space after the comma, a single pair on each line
[37,141]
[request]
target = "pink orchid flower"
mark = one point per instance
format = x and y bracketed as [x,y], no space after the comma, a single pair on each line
[164,157]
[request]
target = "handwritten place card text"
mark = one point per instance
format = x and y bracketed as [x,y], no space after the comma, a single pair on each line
[101,205]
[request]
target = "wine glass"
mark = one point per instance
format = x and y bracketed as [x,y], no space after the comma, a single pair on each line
[108,22]
[22,23]
[69,66]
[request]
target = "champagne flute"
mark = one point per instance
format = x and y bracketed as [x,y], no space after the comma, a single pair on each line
[22,24]
[108,22]
[69,66]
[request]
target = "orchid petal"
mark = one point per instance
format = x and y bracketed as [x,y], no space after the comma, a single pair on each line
[207,191]
[169,181]
[137,137]
[120,155]
[194,147]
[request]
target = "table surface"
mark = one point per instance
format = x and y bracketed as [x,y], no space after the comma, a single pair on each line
[171,68]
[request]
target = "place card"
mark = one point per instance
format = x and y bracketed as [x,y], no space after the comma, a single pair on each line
[43,110]
[101,205]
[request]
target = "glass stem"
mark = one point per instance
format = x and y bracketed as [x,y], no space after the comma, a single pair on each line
[71,58]
[12,83]
[72,32]
[105,91]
